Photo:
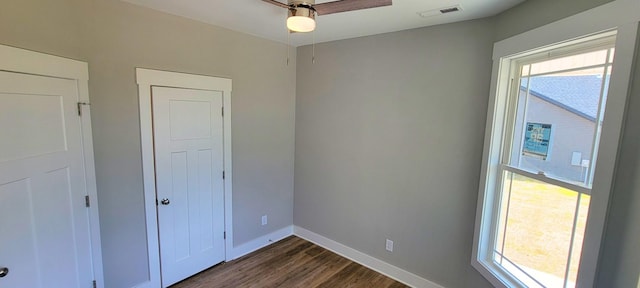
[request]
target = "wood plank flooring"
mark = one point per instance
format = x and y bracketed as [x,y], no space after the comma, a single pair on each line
[291,262]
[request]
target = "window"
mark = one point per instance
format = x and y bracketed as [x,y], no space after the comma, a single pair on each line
[558,107]
[544,142]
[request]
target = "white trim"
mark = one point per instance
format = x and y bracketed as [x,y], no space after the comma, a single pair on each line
[146,78]
[620,15]
[599,19]
[486,188]
[544,178]
[375,264]
[370,262]
[90,181]
[29,62]
[262,241]
[36,63]
[603,178]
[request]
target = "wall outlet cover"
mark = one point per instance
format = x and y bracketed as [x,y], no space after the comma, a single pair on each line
[389,245]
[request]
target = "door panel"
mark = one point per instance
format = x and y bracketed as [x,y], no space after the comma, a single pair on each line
[36,125]
[44,225]
[22,255]
[188,152]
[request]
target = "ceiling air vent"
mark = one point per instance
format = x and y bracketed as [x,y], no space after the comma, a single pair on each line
[449,10]
[440,11]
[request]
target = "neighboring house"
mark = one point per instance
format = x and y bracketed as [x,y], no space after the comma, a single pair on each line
[570,105]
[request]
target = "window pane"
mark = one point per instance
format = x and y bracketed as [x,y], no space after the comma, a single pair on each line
[504,204]
[557,122]
[612,54]
[605,90]
[525,70]
[538,231]
[581,225]
[570,62]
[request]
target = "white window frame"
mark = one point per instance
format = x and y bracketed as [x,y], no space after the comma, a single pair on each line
[620,16]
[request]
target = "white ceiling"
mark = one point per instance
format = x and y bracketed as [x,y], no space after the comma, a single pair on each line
[264,20]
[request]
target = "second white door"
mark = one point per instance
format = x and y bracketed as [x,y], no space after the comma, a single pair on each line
[44,222]
[188,142]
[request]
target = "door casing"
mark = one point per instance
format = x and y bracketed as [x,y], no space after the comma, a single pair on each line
[146,78]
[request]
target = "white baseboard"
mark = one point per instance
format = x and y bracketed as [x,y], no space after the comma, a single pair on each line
[147,284]
[375,264]
[262,241]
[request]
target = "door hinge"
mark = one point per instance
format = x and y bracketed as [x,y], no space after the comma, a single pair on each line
[79,105]
[87,202]
[225,234]
[222,111]
[222,175]
[95,284]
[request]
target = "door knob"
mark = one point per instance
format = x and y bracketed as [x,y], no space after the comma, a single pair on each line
[165,201]
[4,271]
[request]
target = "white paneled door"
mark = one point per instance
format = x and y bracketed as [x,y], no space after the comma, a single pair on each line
[188,142]
[44,223]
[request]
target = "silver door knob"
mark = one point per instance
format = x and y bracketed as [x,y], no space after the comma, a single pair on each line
[165,201]
[4,271]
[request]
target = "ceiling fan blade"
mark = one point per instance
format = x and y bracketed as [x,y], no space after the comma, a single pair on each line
[279,4]
[348,5]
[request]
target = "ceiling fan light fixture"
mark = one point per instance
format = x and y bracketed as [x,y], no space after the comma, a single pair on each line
[301,19]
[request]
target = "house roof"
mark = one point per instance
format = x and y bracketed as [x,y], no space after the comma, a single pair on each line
[578,94]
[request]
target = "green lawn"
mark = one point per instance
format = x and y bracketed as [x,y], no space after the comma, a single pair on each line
[540,224]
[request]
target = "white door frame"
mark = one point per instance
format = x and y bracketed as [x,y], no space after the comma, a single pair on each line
[29,62]
[146,78]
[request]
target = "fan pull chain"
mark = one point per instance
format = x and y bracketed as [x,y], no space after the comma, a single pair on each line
[313,48]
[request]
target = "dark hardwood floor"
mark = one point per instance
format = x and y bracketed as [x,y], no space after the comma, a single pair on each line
[291,262]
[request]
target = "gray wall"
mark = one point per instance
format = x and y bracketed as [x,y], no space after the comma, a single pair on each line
[388,137]
[535,13]
[389,133]
[115,37]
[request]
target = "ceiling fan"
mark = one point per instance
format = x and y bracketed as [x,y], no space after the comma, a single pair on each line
[302,12]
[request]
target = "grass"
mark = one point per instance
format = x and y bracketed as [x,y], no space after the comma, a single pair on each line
[540,224]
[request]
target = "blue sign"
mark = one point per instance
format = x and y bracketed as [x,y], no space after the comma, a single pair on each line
[537,138]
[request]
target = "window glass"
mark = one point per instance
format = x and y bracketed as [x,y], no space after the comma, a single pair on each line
[570,62]
[559,116]
[536,230]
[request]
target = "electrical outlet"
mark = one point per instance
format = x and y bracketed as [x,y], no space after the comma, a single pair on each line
[389,245]
[264,220]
